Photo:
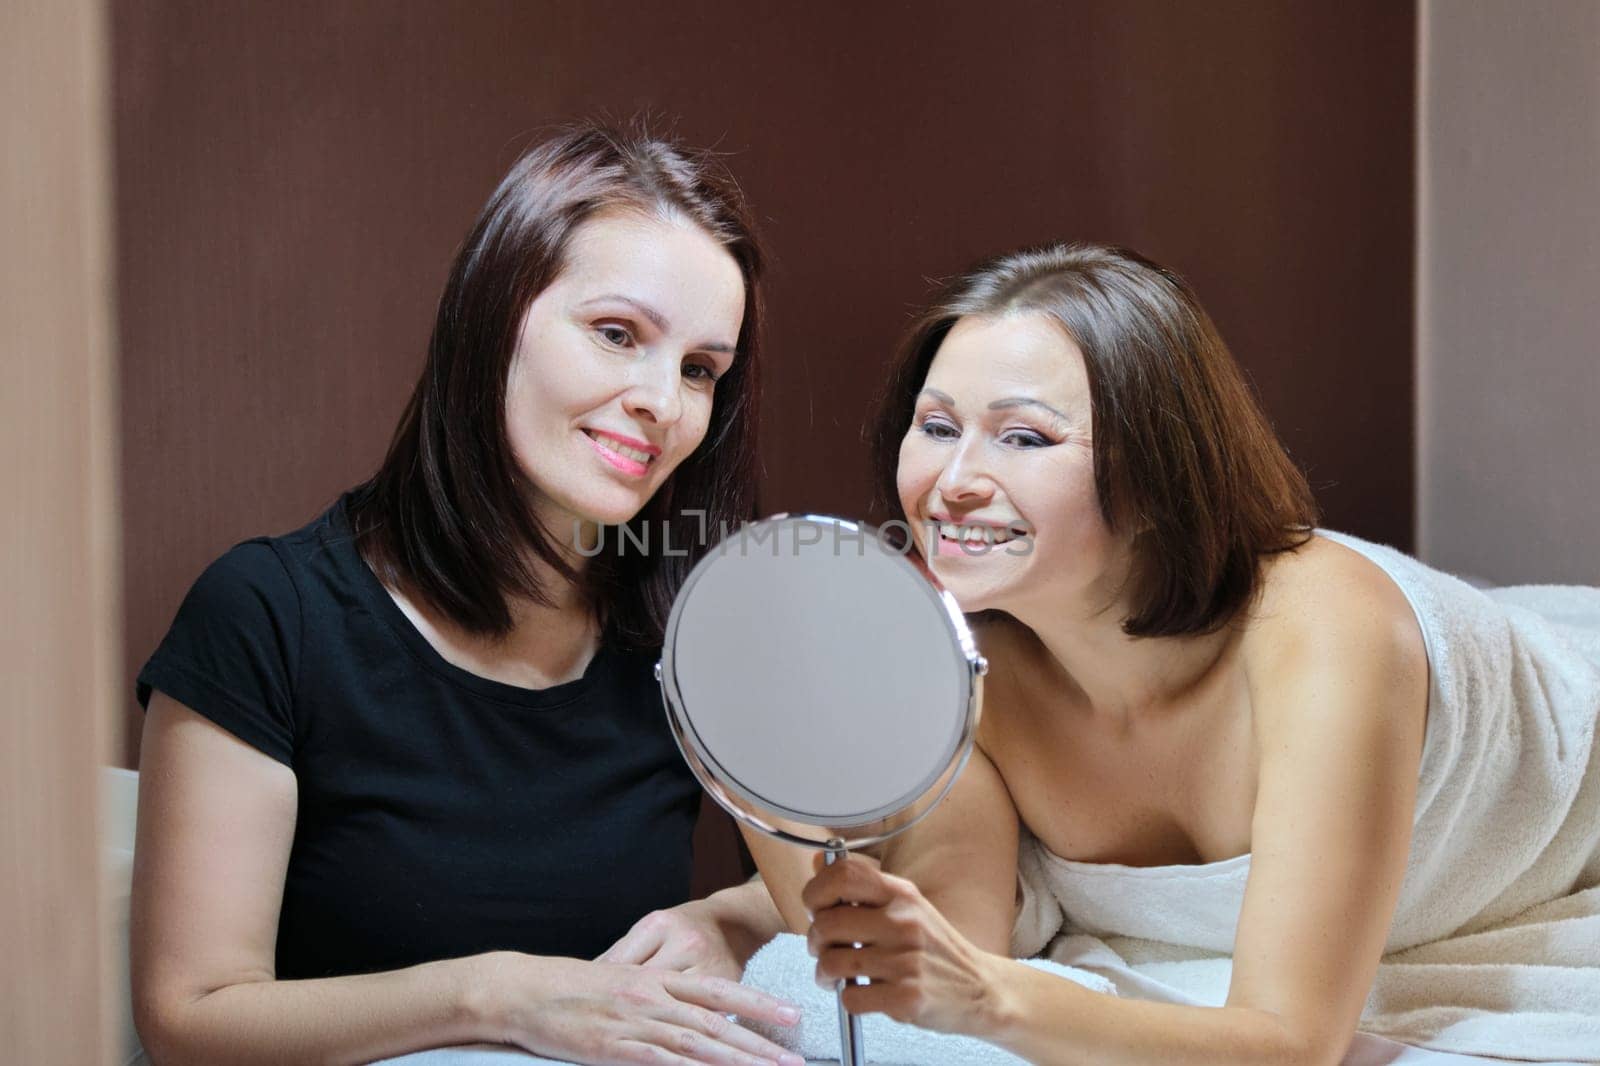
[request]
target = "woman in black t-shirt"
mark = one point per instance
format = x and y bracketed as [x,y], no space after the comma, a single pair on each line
[405,770]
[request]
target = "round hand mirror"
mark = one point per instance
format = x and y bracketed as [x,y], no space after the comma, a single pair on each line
[823,688]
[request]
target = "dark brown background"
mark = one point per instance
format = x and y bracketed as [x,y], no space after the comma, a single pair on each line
[293,177]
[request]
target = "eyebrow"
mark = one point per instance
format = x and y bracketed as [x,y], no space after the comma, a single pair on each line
[1026,401]
[657,319]
[999,405]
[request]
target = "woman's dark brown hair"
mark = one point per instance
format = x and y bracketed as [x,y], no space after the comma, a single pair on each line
[1184,459]
[446,516]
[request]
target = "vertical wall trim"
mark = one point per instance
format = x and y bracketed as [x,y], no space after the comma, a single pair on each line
[60,609]
[1422,352]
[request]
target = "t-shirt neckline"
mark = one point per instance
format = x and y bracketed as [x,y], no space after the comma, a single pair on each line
[377,599]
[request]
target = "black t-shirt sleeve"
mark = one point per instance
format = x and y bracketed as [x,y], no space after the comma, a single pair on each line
[232,652]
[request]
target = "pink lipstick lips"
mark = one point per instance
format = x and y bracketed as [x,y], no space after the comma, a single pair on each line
[626,454]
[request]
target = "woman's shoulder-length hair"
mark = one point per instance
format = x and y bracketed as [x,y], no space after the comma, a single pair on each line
[1184,459]
[446,515]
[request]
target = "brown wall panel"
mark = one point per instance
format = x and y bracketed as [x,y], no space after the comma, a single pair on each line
[293,178]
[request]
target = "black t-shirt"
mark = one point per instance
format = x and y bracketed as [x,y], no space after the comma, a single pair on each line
[441,814]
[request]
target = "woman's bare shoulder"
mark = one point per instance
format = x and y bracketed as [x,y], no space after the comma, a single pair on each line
[1329,605]
[1323,584]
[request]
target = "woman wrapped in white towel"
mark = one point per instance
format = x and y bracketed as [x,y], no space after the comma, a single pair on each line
[1207,724]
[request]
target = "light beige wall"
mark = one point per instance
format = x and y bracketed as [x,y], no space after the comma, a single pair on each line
[1508,313]
[59,610]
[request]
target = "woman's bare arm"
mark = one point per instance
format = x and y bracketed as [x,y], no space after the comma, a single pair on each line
[963,857]
[216,821]
[1340,718]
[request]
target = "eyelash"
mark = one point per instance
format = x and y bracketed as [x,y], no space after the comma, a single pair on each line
[607,328]
[1034,440]
[929,428]
[705,375]
[604,330]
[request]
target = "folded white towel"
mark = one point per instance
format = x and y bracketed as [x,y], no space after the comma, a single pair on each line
[784,968]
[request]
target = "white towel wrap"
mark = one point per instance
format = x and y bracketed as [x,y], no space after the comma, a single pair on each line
[1495,944]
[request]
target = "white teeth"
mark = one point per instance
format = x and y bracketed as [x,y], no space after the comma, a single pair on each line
[621,449]
[976,535]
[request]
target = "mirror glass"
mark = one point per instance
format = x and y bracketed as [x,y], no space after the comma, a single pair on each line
[823,687]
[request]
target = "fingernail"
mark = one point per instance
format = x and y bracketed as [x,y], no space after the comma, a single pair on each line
[788,1015]
[792,1060]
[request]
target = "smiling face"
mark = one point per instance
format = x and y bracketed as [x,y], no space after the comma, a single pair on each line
[1002,437]
[613,378]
